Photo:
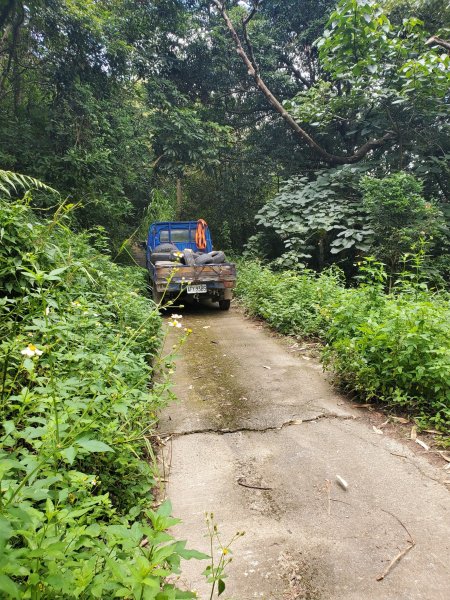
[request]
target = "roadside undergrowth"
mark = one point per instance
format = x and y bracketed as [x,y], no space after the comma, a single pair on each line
[79,344]
[388,347]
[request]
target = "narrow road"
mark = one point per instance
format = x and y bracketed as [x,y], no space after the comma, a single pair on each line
[250,415]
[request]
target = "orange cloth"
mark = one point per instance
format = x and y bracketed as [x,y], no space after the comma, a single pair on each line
[200,234]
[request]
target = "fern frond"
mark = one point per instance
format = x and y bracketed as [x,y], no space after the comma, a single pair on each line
[11,181]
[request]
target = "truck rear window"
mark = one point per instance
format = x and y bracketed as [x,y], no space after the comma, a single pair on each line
[176,235]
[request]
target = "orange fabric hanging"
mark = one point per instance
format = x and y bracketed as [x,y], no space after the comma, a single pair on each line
[200,234]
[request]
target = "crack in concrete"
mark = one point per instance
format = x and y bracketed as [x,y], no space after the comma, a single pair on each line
[289,423]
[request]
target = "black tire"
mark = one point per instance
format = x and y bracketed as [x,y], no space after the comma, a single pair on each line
[166,247]
[216,257]
[189,258]
[224,304]
[158,256]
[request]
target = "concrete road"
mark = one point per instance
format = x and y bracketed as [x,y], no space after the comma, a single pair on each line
[251,415]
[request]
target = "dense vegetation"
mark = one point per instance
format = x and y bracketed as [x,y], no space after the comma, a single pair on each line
[313,135]
[114,102]
[77,472]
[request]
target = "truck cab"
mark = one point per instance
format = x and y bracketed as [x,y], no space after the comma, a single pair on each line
[181,261]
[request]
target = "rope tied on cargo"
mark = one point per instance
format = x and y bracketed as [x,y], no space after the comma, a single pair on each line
[200,234]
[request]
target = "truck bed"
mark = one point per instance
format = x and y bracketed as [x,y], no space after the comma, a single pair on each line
[169,276]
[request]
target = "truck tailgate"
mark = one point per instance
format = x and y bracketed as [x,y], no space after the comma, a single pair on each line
[180,274]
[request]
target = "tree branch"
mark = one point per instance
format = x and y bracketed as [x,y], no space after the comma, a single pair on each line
[436,41]
[333,159]
[248,43]
[296,72]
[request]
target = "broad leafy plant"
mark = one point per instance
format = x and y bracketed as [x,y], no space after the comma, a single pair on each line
[319,218]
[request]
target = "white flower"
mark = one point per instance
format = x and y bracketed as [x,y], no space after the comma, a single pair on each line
[47,311]
[177,317]
[31,351]
[175,323]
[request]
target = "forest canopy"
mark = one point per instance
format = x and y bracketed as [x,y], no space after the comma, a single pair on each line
[249,106]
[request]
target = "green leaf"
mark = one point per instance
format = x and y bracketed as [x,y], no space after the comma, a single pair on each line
[8,586]
[69,454]
[94,445]
[221,586]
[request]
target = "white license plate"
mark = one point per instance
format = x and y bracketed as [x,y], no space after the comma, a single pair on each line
[197,289]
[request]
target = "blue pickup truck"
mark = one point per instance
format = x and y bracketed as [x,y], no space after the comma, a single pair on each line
[181,260]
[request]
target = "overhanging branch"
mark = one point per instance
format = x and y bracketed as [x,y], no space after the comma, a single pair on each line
[437,41]
[250,63]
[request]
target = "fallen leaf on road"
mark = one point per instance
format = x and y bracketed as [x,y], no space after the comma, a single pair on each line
[413,434]
[266,367]
[400,419]
[376,430]
[425,446]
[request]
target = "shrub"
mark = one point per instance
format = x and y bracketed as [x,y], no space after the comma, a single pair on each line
[79,344]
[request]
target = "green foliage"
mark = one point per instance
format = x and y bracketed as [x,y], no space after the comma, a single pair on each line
[319,218]
[343,213]
[400,217]
[10,182]
[78,341]
[291,302]
[388,347]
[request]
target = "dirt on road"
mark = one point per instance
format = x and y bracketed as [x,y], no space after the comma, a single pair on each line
[253,415]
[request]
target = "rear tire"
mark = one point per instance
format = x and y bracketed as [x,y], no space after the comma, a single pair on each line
[224,304]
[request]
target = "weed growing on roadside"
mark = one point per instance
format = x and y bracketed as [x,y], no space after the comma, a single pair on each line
[392,347]
[79,344]
[215,571]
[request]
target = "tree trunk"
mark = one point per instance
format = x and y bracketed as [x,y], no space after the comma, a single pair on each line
[179,197]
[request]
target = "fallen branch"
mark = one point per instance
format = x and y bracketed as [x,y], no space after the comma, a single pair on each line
[394,561]
[411,543]
[241,481]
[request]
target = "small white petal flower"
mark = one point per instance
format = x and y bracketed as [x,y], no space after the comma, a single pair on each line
[31,351]
[177,317]
[47,311]
[27,351]
[178,325]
